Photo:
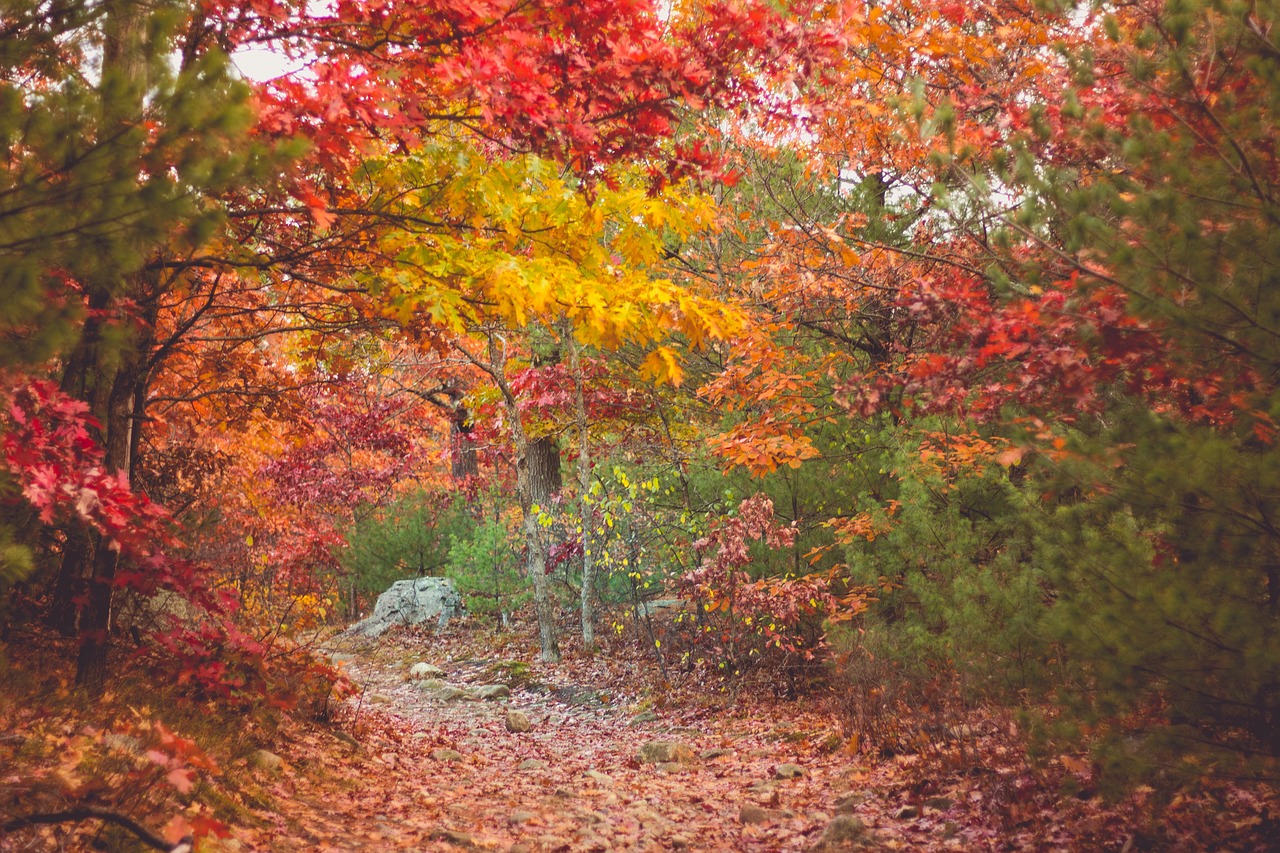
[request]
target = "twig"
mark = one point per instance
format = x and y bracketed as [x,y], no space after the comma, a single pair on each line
[87,812]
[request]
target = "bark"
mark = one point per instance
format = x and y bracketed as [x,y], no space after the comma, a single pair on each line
[545,480]
[463,462]
[584,494]
[118,373]
[82,378]
[121,424]
[531,489]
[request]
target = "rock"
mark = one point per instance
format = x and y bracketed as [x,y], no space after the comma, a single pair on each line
[678,842]
[449,755]
[940,803]
[643,717]
[519,817]
[767,789]
[532,764]
[662,751]
[420,671]
[789,771]
[648,608]
[844,829]
[849,802]
[429,684]
[907,813]
[518,722]
[122,743]
[458,839]
[713,754]
[412,602]
[672,767]
[757,814]
[452,694]
[603,779]
[491,692]
[266,761]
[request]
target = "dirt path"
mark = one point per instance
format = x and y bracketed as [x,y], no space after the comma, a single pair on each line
[439,773]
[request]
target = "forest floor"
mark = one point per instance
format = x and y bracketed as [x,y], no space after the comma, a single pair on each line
[416,760]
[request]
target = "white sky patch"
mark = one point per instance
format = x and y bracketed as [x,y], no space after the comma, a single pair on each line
[263,65]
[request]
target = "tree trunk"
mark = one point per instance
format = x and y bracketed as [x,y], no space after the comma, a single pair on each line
[116,373]
[462,463]
[120,425]
[584,494]
[545,480]
[82,379]
[533,480]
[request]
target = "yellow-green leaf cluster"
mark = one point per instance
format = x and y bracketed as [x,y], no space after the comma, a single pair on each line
[515,240]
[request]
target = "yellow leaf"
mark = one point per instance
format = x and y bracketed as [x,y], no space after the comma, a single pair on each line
[662,366]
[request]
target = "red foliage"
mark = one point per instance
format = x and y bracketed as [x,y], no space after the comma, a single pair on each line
[1061,350]
[590,83]
[737,622]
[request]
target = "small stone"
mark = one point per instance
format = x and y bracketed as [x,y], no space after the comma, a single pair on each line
[429,684]
[122,743]
[844,829]
[789,771]
[661,751]
[643,717]
[452,694]
[446,755]
[342,737]
[678,842]
[518,722]
[266,761]
[420,671]
[532,764]
[849,802]
[940,803]
[459,839]
[713,754]
[907,813]
[603,779]
[492,692]
[750,813]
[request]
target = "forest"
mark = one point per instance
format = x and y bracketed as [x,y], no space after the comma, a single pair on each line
[848,424]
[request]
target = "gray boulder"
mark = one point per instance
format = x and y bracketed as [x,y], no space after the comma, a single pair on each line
[413,602]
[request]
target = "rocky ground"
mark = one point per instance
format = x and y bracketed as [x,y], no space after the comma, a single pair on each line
[456,751]
[461,739]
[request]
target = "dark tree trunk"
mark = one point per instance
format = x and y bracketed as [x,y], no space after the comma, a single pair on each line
[545,480]
[463,463]
[64,614]
[95,620]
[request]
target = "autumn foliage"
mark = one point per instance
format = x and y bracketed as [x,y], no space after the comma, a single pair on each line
[794,345]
